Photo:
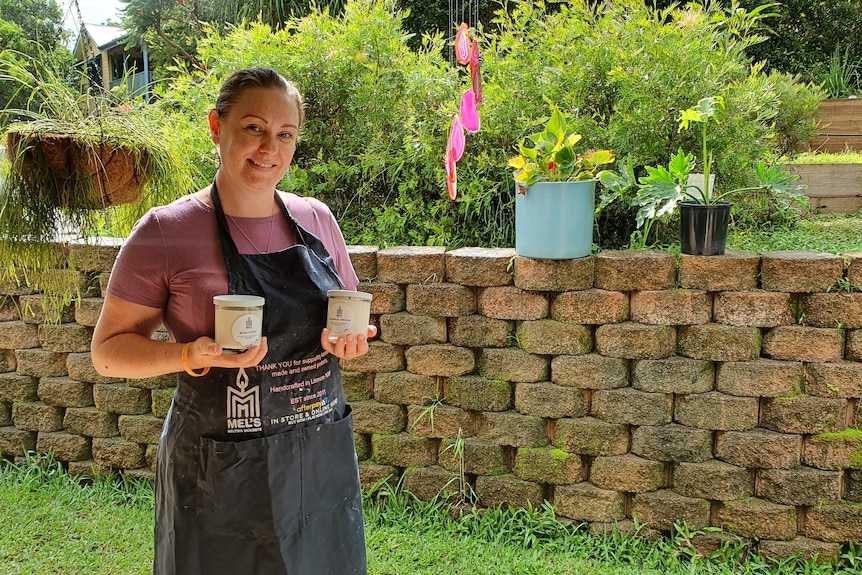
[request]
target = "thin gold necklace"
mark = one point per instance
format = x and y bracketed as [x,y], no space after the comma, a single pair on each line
[269,241]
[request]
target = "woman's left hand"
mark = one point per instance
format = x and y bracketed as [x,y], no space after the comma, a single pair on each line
[348,346]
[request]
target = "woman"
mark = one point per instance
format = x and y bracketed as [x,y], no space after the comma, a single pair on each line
[256,469]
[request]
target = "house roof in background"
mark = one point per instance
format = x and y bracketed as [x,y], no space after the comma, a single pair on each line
[102,35]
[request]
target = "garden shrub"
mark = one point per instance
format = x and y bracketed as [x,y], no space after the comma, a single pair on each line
[379,111]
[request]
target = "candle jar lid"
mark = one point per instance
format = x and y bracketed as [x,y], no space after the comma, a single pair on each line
[238,300]
[360,295]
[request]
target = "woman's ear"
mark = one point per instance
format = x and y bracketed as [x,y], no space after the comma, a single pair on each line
[214,122]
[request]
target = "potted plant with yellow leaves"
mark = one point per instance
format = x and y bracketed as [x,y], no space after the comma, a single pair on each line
[555,199]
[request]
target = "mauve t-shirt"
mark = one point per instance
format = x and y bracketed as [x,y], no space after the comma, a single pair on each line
[173,260]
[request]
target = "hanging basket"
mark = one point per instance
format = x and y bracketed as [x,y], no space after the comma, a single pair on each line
[67,172]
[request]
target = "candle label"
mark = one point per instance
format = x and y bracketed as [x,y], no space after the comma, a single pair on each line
[340,318]
[246,329]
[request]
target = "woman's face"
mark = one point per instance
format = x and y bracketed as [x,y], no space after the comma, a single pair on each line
[256,139]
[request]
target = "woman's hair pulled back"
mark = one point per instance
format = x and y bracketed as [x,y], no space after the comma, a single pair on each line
[241,80]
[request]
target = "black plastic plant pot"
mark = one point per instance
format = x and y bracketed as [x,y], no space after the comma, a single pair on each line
[703,228]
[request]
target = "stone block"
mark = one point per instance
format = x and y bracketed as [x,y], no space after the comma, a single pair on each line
[5,414]
[635,270]
[627,405]
[834,451]
[121,399]
[753,308]
[835,523]
[440,300]
[37,416]
[513,364]
[804,414]
[510,302]
[8,361]
[840,379]
[671,307]
[802,343]
[672,443]
[381,357]
[65,392]
[65,337]
[18,335]
[590,436]
[91,422]
[760,378]
[508,490]
[41,363]
[162,399]
[372,475]
[88,310]
[759,449]
[16,442]
[591,307]
[661,509]
[80,367]
[802,547]
[403,450]
[513,429]
[590,371]
[854,485]
[680,375]
[854,267]
[480,331]
[628,473]
[362,446]
[545,399]
[799,272]
[713,480]
[15,387]
[405,388]
[364,261]
[411,264]
[403,328]
[733,271]
[477,393]
[426,483]
[385,297]
[145,429]
[89,257]
[39,309]
[141,474]
[442,360]
[833,309]
[474,456]
[382,418]
[553,275]
[118,453]
[549,465]
[163,381]
[757,518]
[89,468]
[719,342]
[8,305]
[716,411]
[64,446]
[799,486]
[632,340]
[551,337]
[853,346]
[479,266]
[440,421]
[586,502]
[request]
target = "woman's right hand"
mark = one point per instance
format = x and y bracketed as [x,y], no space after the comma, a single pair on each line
[206,352]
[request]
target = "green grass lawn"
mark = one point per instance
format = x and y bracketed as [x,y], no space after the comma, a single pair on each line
[55,524]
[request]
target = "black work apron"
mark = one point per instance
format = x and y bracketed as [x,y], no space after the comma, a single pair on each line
[257,470]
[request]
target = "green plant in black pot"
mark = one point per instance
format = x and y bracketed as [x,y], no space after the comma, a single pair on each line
[704,212]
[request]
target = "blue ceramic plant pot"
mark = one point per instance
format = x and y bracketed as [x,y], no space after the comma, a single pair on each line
[554,220]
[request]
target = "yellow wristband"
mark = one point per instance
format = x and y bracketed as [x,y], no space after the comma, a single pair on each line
[186,363]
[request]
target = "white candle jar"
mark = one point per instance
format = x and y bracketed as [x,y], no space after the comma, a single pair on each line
[348,313]
[238,321]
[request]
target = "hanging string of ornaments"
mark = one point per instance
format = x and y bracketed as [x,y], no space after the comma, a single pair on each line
[467,118]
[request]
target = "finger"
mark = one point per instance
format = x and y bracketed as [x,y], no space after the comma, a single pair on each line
[372,331]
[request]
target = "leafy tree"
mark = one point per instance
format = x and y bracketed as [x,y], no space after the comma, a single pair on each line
[29,28]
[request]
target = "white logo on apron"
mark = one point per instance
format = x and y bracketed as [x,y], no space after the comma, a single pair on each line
[243,406]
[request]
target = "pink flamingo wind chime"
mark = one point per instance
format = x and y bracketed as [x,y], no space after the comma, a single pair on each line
[466,52]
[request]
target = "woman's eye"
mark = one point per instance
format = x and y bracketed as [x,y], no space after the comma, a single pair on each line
[286,135]
[254,128]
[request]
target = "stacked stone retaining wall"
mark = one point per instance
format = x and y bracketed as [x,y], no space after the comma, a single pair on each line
[632,385]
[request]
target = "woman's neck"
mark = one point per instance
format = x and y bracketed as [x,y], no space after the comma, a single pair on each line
[245,204]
